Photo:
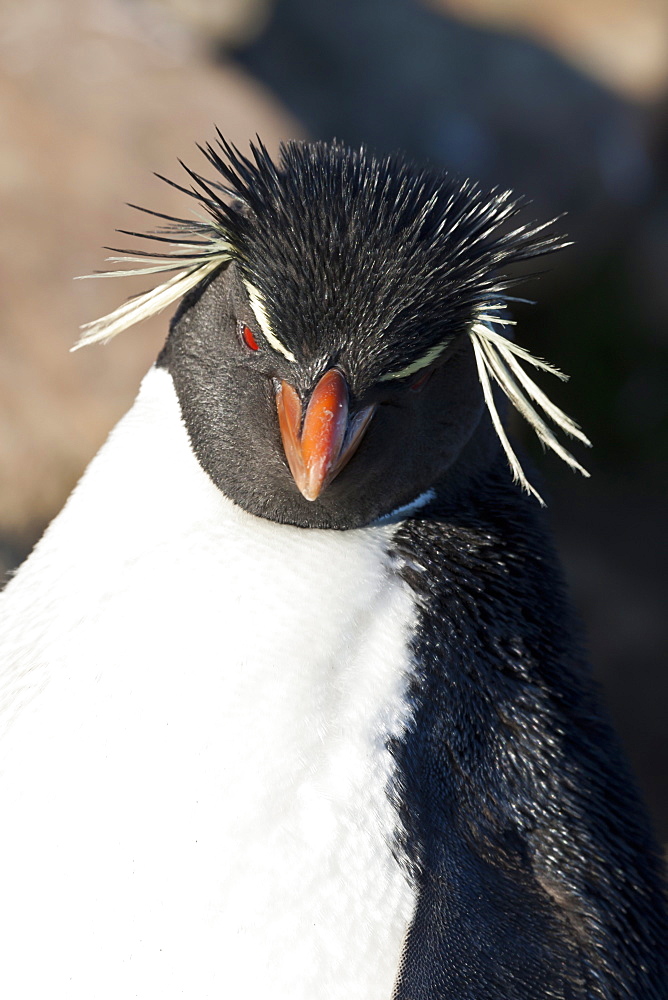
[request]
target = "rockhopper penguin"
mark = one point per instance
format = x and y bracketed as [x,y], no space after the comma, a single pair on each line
[293,704]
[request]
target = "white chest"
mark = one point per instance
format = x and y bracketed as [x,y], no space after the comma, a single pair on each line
[197,705]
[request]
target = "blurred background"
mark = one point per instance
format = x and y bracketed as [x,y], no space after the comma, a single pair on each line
[565,101]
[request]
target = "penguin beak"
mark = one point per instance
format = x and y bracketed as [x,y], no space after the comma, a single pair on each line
[318,447]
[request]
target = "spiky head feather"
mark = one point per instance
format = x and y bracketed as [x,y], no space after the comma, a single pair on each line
[338,246]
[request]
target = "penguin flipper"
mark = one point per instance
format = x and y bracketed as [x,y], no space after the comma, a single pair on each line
[484,928]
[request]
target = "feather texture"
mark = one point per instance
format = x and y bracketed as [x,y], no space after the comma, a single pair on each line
[496,358]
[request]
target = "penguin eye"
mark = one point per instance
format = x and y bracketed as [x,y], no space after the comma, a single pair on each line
[422,379]
[248,338]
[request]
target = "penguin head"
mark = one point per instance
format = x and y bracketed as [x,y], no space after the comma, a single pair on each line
[325,356]
[311,431]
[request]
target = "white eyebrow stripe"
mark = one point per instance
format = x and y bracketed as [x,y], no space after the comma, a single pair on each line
[257,305]
[422,362]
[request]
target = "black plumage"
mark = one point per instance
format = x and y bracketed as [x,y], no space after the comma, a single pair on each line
[521,824]
[425,247]
[429,250]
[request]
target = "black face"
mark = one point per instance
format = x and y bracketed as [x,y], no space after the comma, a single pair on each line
[226,375]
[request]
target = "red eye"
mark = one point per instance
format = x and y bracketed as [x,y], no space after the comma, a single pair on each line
[249,339]
[421,381]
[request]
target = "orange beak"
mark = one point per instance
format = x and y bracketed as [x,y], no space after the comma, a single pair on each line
[319,448]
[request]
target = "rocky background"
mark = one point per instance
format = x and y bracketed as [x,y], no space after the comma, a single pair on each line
[565,101]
